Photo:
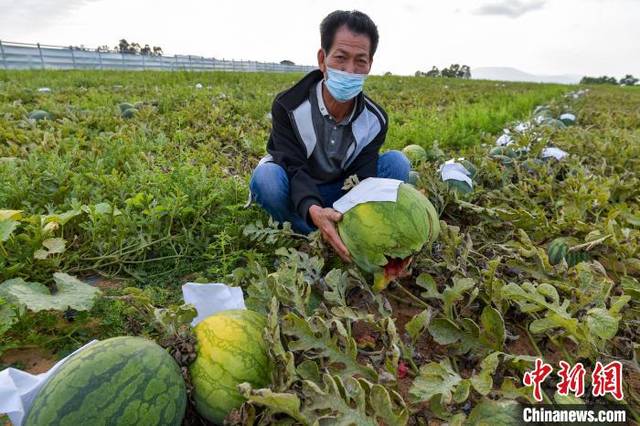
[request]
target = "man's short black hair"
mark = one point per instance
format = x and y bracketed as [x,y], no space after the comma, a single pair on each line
[357,22]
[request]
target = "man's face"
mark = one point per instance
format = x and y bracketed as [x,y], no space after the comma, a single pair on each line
[350,53]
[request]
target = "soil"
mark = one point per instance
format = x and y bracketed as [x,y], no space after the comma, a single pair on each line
[104,284]
[31,360]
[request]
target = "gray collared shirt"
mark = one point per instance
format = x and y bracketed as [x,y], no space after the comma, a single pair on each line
[335,141]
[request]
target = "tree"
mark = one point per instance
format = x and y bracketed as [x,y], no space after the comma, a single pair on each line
[629,80]
[286,62]
[598,80]
[456,71]
[452,71]
[465,72]
[134,48]
[123,46]
[435,72]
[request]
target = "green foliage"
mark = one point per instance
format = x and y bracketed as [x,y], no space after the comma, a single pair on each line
[157,200]
[70,293]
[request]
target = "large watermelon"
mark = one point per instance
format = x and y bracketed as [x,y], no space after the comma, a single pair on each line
[382,236]
[118,381]
[230,351]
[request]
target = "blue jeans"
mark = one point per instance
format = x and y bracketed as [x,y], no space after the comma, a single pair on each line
[270,188]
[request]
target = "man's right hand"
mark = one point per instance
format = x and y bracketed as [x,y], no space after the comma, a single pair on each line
[325,220]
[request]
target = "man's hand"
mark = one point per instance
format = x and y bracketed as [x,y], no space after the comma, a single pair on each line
[325,220]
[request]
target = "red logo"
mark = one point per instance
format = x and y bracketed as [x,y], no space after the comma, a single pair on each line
[536,377]
[571,379]
[607,379]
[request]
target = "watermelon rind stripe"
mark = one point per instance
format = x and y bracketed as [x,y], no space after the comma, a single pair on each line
[123,380]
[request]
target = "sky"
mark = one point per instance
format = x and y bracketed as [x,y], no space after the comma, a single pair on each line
[583,37]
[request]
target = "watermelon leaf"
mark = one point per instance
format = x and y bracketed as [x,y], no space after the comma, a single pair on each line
[314,334]
[6,228]
[285,403]
[435,379]
[354,402]
[602,323]
[495,413]
[418,324]
[9,314]
[338,283]
[483,381]
[493,331]
[72,293]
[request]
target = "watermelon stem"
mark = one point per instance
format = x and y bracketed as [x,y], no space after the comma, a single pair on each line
[413,297]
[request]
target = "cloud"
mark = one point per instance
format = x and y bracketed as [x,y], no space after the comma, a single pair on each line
[36,12]
[509,8]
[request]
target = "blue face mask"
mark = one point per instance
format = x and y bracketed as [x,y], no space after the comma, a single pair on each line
[343,85]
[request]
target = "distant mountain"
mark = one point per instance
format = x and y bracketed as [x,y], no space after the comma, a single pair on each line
[512,74]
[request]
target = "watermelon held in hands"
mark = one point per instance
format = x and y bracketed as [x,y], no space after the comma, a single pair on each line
[415,153]
[230,351]
[383,236]
[118,381]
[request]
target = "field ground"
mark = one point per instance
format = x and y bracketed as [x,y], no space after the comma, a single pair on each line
[156,200]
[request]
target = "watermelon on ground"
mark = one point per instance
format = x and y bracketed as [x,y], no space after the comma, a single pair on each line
[39,114]
[415,154]
[230,350]
[414,177]
[118,381]
[560,249]
[435,153]
[568,119]
[503,151]
[125,106]
[553,124]
[471,168]
[129,113]
[459,186]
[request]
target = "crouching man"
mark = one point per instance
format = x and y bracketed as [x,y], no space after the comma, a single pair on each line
[325,129]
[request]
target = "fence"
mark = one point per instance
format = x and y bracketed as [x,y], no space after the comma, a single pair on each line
[39,56]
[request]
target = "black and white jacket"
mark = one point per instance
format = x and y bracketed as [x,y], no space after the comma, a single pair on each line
[294,140]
